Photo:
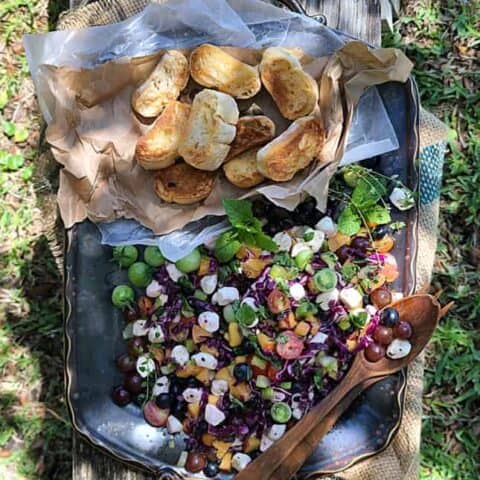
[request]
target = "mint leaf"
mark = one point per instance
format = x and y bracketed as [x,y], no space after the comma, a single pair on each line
[368,192]
[9,161]
[378,215]
[349,222]
[245,315]
[239,212]
[265,242]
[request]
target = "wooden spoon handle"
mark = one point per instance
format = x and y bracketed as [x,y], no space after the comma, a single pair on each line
[265,464]
[307,446]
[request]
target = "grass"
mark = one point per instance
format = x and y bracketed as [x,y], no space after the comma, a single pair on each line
[443,40]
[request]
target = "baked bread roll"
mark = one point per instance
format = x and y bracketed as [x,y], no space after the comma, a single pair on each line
[158,147]
[291,151]
[252,131]
[163,85]
[242,171]
[183,184]
[213,68]
[295,92]
[210,130]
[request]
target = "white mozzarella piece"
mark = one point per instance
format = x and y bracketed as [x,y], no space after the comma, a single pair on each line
[192,395]
[209,321]
[319,337]
[399,349]
[276,431]
[174,425]
[139,328]
[283,240]
[173,272]
[155,334]
[327,226]
[402,198]
[324,299]
[226,295]
[298,248]
[219,387]
[265,442]
[208,283]
[162,385]
[206,360]
[240,461]
[351,298]
[213,415]
[297,291]
[145,366]
[180,354]
[154,289]
[315,244]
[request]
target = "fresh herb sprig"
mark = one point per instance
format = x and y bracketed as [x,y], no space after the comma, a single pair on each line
[246,229]
[366,204]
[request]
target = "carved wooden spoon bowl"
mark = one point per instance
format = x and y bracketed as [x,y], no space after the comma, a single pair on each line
[289,453]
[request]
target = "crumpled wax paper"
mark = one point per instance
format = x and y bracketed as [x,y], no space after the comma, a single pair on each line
[84,80]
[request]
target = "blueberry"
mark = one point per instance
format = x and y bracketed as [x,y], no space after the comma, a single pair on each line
[211,470]
[121,396]
[163,400]
[286,223]
[380,232]
[242,372]
[178,409]
[389,317]
[279,213]
[259,208]
[175,389]
[192,382]
[271,229]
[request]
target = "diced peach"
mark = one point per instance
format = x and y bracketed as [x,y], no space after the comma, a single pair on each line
[204,266]
[241,359]
[288,322]
[253,267]
[251,444]
[221,448]
[157,352]
[208,439]
[241,391]
[193,409]
[204,376]
[384,245]
[226,463]
[266,343]
[337,241]
[248,251]
[213,399]
[234,334]
[225,374]
[189,370]
[302,329]
[199,334]
[211,350]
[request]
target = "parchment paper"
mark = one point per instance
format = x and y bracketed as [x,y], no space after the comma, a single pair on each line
[93,131]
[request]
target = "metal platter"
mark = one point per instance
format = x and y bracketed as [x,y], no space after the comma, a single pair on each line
[93,339]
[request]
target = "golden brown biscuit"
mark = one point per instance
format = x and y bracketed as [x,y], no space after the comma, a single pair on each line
[210,130]
[295,92]
[183,184]
[242,170]
[213,68]
[163,85]
[158,148]
[291,151]
[252,131]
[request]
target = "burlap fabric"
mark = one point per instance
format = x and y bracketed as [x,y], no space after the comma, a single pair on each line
[400,460]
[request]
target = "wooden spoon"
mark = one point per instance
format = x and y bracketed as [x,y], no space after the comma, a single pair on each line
[278,463]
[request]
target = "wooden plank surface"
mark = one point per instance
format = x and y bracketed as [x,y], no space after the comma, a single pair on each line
[360,18]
